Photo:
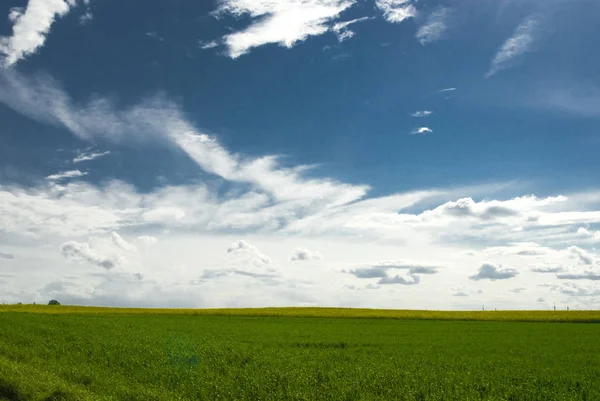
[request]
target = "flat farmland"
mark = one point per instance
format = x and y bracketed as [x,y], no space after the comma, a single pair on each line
[75,353]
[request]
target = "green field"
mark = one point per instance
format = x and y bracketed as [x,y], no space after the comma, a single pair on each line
[66,353]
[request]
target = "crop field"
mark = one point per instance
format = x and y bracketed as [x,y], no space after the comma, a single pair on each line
[75,353]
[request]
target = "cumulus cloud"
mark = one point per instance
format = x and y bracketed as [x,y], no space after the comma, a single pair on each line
[518,290]
[548,269]
[381,271]
[121,243]
[460,294]
[85,156]
[436,25]
[576,290]
[31,26]
[65,175]
[82,252]
[403,280]
[4,255]
[303,254]
[580,254]
[421,131]
[248,253]
[521,42]
[493,272]
[589,275]
[284,22]
[423,113]
[147,239]
[396,10]
[369,272]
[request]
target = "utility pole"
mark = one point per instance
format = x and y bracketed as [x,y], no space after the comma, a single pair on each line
[555,306]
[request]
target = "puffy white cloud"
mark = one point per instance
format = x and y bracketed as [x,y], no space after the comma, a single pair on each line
[66,174]
[88,156]
[82,252]
[436,25]
[493,272]
[521,42]
[548,269]
[147,239]
[31,26]
[396,10]
[248,254]
[303,254]
[121,243]
[284,22]
[421,131]
[581,255]
[403,280]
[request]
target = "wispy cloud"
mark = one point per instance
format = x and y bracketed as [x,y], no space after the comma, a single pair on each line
[284,22]
[84,157]
[31,26]
[4,255]
[396,10]
[421,131]
[342,31]
[423,113]
[436,25]
[521,42]
[208,45]
[448,90]
[66,174]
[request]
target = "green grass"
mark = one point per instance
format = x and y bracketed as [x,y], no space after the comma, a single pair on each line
[110,354]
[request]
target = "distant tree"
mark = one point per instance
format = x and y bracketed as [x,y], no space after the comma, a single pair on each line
[54,302]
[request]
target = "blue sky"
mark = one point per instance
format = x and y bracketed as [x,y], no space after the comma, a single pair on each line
[253,152]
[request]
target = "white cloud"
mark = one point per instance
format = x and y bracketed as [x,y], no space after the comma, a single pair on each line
[403,280]
[121,243]
[275,207]
[4,255]
[521,42]
[423,113]
[65,175]
[284,22]
[248,254]
[147,240]
[82,252]
[581,255]
[396,10]
[342,31]
[86,18]
[448,90]
[421,131]
[31,26]
[492,272]
[436,25]
[84,156]
[208,45]
[303,255]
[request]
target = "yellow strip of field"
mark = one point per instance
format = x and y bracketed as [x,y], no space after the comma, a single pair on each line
[515,316]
